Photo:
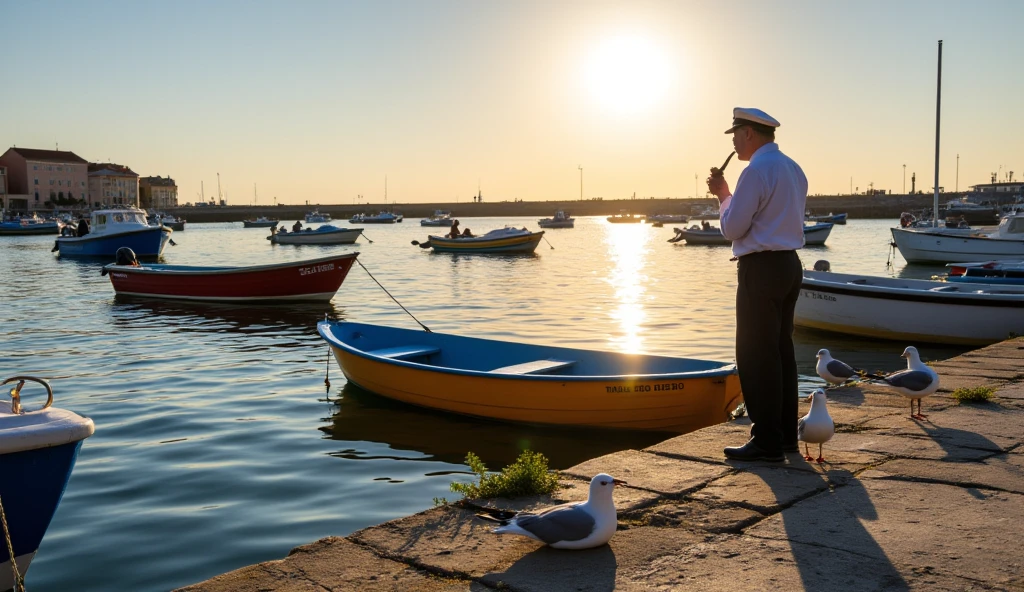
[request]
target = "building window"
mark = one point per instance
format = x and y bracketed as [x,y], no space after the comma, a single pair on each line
[37,196]
[37,181]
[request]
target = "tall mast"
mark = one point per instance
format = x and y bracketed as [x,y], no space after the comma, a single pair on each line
[202,192]
[938,109]
[218,189]
[256,198]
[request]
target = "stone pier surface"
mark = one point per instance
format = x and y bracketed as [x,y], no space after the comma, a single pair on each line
[899,504]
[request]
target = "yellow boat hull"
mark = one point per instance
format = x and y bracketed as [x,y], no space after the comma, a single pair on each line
[680,405]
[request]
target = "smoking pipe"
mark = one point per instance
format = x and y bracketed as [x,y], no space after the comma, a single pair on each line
[717,172]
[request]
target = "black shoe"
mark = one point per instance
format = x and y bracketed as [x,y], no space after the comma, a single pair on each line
[794,447]
[751,451]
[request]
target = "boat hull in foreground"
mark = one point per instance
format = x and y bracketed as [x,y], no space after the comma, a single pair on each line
[38,450]
[308,280]
[909,310]
[534,384]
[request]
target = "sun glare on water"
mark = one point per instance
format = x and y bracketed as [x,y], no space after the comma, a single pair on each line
[628,74]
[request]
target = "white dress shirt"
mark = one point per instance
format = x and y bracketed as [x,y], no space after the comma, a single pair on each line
[766,212]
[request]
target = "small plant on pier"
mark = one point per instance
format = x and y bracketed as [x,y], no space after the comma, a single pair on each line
[528,475]
[978,394]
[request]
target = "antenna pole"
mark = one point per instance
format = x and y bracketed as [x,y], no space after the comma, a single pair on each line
[938,111]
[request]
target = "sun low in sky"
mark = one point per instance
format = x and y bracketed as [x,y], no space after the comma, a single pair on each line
[628,74]
[320,101]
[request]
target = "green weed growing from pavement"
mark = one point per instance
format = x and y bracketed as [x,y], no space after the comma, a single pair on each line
[528,475]
[978,394]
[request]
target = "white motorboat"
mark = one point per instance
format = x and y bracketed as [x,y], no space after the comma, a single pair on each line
[814,235]
[910,310]
[669,218]
[941,245]
[987,272]
[438,218]
[379,218]
[324,235]
[315,217]
[561,220]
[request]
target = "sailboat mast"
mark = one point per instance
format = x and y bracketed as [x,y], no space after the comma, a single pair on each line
[255,197]
[938,109]
[202,192]
[218,189]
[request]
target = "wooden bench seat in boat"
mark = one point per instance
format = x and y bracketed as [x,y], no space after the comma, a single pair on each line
[404,352]
[535,367]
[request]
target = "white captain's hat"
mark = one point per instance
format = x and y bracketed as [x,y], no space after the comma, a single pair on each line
[755,118]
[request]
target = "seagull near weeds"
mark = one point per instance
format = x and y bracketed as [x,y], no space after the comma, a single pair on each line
[817,426]
[576,525]
[832,370]
[916,382]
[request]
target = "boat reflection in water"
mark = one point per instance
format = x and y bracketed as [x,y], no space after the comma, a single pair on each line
[295,319]
[362,416]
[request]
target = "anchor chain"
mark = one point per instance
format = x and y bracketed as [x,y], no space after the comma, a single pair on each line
[19,581]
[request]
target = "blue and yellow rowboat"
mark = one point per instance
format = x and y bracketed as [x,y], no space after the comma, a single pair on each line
[502,240]
[533,383]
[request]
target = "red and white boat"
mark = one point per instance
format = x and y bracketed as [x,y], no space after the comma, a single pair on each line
[310,279]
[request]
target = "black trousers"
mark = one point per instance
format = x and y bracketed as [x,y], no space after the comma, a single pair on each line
[769,285]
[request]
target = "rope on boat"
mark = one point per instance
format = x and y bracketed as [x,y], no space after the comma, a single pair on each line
[547,241]
[19,580]
[425,328]
[327,377]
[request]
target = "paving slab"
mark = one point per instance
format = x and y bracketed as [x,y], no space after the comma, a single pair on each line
[643,470]
[986,427]
[920,527]
[707,445]
[748,563]
[948,384]
[1003,472]
[625,564]
[448,539]
[694,515]
[333,563]
[763,489]
[883,446]
[1013,390]
[1010,348]
[1008,369]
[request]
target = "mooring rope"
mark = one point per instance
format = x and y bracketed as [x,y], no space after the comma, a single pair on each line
[425,328]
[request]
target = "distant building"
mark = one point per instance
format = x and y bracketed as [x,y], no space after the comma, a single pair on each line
[994,190]
[44,179]
[112,185]
[158,192]
[3,188]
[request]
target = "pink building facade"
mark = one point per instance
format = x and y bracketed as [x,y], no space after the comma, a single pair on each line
[44,179]
[112,185]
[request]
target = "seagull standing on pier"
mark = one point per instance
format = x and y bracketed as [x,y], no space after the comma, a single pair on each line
[817,426]
[916,382]
[832,370]
[576,525]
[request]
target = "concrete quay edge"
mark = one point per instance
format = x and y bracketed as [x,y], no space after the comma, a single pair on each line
[899,504]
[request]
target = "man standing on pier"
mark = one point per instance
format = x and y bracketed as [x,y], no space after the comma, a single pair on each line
[764,218]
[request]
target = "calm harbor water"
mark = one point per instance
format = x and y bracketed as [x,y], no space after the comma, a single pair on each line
[217,444]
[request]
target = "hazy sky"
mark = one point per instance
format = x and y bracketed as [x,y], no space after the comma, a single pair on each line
[320,101]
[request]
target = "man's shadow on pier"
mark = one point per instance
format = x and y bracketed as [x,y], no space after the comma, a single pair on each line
[830,544]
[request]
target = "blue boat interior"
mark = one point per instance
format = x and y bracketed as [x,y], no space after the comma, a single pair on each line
[470,355]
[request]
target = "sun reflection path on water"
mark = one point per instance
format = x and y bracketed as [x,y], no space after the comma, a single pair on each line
[628,248]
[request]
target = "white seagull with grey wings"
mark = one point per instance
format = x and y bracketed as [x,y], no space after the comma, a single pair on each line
[577,525]
[832,370]
[817,426]
[916,382]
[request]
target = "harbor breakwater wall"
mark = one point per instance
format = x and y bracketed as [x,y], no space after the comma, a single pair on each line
[857,206]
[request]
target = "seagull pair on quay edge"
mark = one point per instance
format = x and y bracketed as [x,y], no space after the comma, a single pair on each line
[817,426]
[916,382]
[576,525]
